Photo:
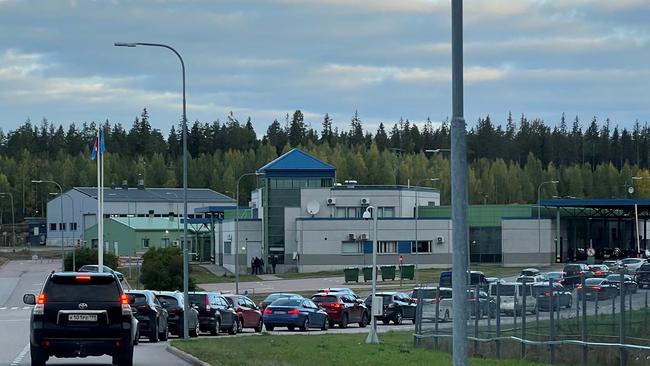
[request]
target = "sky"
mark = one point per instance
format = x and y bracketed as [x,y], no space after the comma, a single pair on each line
[386,59]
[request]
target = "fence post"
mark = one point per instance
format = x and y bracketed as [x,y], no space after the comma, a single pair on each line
[435,336]
[584,319]
[623,354]
[477,316]
[418,319]
[498,344]
[523,319]
[552,319]
[596,306]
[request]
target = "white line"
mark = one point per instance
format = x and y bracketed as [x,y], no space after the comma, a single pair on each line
[3,308]
[26,307]
[14,308]
[21,355]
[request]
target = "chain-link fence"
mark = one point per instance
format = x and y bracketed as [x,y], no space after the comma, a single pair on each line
[590,321]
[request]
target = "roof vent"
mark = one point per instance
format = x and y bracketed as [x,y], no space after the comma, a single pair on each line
[125,184]
[140,183]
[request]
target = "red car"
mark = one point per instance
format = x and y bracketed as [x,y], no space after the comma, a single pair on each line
[250,316]
[342,309]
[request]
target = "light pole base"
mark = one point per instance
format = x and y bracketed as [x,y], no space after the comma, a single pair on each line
[372,334]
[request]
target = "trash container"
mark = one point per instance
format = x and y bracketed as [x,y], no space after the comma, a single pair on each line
[387,273]
[407,271]
[367,273]
[351,274]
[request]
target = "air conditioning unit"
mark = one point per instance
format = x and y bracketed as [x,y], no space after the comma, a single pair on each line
[363,236]
[176,243]
[440,240]
[331,201]
[365,201]
[351,236]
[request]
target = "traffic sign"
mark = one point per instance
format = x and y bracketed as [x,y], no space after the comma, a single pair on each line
[591,252]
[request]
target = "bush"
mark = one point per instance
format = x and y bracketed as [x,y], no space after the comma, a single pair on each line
[85,256]
[162,269]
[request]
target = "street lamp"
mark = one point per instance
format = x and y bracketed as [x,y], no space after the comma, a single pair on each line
[13,219]
[417,216]
[61,226]
[186,309]
[370,212]
[539,219]
[237,229]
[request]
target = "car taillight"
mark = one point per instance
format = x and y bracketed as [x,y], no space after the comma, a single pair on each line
[337,305]
[579,287]
[268,311]
[39,308]
[82,278]
[596,288]
[124,301]
[293,312]
[598,272]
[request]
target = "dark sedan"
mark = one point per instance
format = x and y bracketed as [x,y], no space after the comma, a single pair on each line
[597,288]
[295,313]
[174,305]
[397,306]
[630,285]
[151,314]
[559,296]
[642,276]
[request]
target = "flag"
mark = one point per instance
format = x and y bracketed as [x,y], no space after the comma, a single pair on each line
[93,154]
[102,146]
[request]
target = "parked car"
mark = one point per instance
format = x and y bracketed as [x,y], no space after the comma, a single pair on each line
[557,277]
[611,264]
[215,313]
[60,327]
[573,274]
[511,296]
[344,290]
[250,316]
[530,275]
[295,312]
[630,286]
[642,275]
[476,278]
[600,270]
[272,297]
[487,305]
[632,264]
[93,268]
[430,297]
[558,296]
[397,306]
[597,288]
[342,309]
[176,312]
[151,314]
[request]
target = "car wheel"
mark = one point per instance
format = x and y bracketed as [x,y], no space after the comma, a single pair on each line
[38,357]
[153,338]
[125,358]
[344,321]
[136,341]
[305,325]
[235,327]
[331,324]
[291,328]
[326,324]
[193,332]
[241,325]
[398,318]
[258,328]
[269,328]
[364,320]
[385,321]
[217,327]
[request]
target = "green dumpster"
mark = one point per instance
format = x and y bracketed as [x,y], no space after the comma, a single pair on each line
[367,273]
[351,274]
[387,273]
[407,271]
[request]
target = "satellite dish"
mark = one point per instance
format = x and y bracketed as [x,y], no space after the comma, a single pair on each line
[630,190]
[313,207]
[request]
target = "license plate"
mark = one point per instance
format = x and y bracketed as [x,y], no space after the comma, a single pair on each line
[82,317]
[279,312]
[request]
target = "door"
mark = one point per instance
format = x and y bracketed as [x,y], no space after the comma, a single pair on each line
[245,311]
[352,308]
[253,249]
[315,317]
[227,315]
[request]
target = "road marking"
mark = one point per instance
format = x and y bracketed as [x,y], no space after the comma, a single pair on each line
[14,308]
[21,355]
[26,307]
[3,308]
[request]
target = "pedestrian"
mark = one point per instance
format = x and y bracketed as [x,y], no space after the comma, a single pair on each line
[274,261]
[261,267]
[253,265]
[256,265]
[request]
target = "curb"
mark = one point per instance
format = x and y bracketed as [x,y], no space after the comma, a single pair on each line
[186,356]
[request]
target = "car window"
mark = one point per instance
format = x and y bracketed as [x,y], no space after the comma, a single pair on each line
[426,293]
[155,301]
[68,288]
[286,302]
[198,299]
[138,299]
[250,304]
[321,299]
[171,300]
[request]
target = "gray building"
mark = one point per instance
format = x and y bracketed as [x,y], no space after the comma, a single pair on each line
[79,207]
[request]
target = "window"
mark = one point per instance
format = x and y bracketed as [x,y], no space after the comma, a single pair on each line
[62,226]
[423,246]
[386,212]
[145,243]
[52,227]
[165,242]
[73,226]
[384,247]
[341,212]
[227,247]
[350,212]
[351,248]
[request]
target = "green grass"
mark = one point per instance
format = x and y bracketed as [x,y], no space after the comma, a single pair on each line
[197,273]
[322,349]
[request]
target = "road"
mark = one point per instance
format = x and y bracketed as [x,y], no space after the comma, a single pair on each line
[20,277]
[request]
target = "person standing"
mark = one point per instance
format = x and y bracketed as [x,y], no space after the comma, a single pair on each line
[274,262]
[253,265]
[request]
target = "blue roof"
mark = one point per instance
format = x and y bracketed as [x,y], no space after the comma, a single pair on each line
[297,163]
[166,195]
[616,203]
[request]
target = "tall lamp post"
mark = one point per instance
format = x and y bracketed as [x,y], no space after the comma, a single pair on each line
[237,229]
[417,216]
[13,219]
[539,218]
[371,212]
[185,260]
[61,226]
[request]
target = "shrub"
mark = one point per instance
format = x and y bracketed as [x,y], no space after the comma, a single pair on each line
[85,256]
[162,269]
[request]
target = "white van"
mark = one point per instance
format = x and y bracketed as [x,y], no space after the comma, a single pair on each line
[511,297]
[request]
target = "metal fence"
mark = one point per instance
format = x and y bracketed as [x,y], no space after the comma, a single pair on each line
[551,323]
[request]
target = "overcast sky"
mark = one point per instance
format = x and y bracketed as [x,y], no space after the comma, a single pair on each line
[265,58]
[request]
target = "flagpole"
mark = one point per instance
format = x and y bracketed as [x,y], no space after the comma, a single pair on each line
[100,196]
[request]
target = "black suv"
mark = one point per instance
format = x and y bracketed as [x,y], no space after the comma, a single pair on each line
[573,274]
[81,314]
[215,312]
[397,306]
[643,275]
[151,314]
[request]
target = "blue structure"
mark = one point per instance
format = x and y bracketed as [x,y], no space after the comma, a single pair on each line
[36,230]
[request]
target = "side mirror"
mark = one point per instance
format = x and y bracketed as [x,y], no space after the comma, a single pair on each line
[29,299]
[359,301]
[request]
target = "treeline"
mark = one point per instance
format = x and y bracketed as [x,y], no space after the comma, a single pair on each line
[507,163]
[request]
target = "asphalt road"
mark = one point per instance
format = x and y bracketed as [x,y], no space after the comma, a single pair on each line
[20,277]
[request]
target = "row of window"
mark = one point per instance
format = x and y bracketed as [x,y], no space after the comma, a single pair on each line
[357,212]
[293,183]
[63,226]
[386,247]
